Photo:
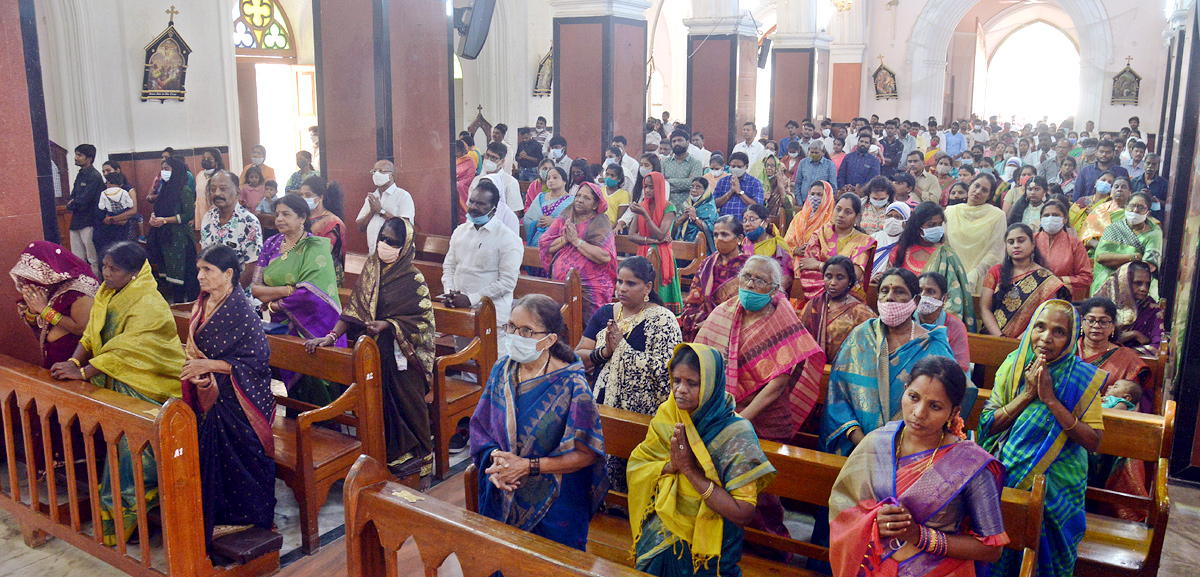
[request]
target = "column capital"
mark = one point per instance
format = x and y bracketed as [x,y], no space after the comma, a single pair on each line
[631,9]
[818,40]
[847,53]
[740,25]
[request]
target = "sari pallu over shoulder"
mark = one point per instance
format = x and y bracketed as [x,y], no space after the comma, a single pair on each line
[314,308]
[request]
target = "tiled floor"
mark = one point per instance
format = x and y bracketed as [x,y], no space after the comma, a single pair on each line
[1181,553]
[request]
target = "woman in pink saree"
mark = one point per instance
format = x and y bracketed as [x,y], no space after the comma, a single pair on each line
[915,497]
[582,239]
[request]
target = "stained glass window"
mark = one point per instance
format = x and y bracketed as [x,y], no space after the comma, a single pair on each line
[261,25]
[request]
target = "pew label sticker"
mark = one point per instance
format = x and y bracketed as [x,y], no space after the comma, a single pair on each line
[178,453]
[370,376]
[407,496]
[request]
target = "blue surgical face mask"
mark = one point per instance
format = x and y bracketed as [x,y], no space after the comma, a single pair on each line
[1156,206]
[933,233]
[1103,187]
[753,301]
[481,219]
[756,234]
[610,182]
[986,170]
[1073,140]
[543,173]
[312,203]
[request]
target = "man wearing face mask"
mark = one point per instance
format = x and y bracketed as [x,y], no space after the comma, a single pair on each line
[484,258]
[629,164]
[1086,183]
[387,201]
[510,189]
[558,153]
[258,157]
[680,168]
[735,192]
[1152,182]
[211,162]
[860,166]
[816,166]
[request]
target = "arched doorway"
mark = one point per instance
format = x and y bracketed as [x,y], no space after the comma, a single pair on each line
[1032,75]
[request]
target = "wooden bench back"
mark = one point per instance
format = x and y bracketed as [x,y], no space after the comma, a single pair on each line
[29,397]
[382,515]
[477,323]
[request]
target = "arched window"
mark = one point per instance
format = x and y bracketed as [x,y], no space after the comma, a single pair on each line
[261,29]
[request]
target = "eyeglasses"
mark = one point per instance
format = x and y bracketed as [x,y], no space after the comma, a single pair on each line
[751,219]
[755,283]
[381,172]
[523,331]
[1095,322]
[394,243]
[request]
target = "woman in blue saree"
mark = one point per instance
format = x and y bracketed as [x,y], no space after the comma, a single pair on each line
[695,480]
[874,363]
[1043,418]
[535,436]
[227,382]
[697,216]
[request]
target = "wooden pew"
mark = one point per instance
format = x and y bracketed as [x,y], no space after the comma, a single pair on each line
[803,475]
[29,397]
[1113,546]
[569,292]
[455,398]
[308,458]
[382,515]
[693,253]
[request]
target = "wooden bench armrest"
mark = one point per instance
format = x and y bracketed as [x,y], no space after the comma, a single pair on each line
[471,488]
[347,402]
[1028,563]
[1119,499]
[1159,515]
[468,353]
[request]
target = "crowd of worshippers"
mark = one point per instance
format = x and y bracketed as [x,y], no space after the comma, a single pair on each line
[927,218]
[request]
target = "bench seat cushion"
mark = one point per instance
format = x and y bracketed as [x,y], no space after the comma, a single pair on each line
[1115,542]
[328,445]
[609,537]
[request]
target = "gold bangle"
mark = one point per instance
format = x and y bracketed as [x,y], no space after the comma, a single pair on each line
[708,493]
[1073,425]
[76,361]
[1005,409]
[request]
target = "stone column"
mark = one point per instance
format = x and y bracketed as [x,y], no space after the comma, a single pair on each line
[800,63]
[722,71]
[846,58]
[599,73]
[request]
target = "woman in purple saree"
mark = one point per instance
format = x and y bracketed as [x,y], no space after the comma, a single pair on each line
[297,282]
[916,498]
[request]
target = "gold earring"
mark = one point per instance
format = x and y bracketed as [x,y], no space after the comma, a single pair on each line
[646,298]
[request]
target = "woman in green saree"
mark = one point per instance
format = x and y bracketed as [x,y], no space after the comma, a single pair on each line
[130,346]
[694,481]
[922,248]
[171,243]
[1137,237]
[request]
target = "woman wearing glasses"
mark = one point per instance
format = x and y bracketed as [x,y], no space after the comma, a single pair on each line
[774,365]
[1097,348]
[535,435]
[628,344]
[391,305]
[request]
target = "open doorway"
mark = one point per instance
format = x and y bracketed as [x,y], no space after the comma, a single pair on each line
[1033,75]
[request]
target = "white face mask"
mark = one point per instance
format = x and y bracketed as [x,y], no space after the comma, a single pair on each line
[879,202]
[312,203]
[893,226]
[1134,218]
[738,171]
[943,169]
[1052,224]
[644,171]
[313,138]
[380,178]
[490,167]
[556,153]
[165,175]
[523,349]
[825,132]
[928,305]
[257,159]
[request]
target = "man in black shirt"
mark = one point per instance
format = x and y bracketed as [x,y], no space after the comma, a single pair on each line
[893,150]
[85,196]
[529,154]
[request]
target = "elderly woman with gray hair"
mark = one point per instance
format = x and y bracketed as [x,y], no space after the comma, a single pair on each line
[773,365]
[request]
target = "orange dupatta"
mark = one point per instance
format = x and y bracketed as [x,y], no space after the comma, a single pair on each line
[656,206]
[806,222]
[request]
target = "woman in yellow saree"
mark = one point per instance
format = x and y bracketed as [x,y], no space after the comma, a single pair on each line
[130,346]
[1107,211]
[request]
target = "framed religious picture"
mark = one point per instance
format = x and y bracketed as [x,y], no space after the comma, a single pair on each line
[544,83]
[884,80]
[1126,85]
[165,67]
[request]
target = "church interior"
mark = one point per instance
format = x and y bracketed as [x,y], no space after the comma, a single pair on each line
[346,440]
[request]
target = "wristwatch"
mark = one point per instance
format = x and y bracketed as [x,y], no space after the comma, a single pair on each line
[383,213]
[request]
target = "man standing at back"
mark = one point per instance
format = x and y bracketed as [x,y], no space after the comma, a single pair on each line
[680,168]
[628,163]
[85,196]
[386,201]
[753,149]
[1088,175]
[860,166]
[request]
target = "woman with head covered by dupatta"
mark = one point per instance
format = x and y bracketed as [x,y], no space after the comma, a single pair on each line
[57,289]
[695,480]
[582,239]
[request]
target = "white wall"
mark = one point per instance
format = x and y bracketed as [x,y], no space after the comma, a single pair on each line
[501,79]
[92,61]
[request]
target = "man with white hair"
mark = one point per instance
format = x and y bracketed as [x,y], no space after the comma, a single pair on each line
[386,201]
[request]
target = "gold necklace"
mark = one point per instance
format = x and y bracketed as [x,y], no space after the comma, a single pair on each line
[929,462]
[285,253]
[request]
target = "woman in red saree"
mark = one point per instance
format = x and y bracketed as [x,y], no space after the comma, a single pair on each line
[774,366]
[464,174]
[915,497]
[57,289]
[840,237]
[324,199]
[831,316]
[1097,348]
[1015,288]
[716,280]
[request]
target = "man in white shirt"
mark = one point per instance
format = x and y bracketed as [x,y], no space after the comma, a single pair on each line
[697,149]
[753,149]
[558,153]
[980,135]
[386,201]
[499,135]
[629,164]
[491,167]
[484,259]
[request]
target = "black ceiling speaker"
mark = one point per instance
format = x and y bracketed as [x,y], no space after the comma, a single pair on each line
[472,25]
